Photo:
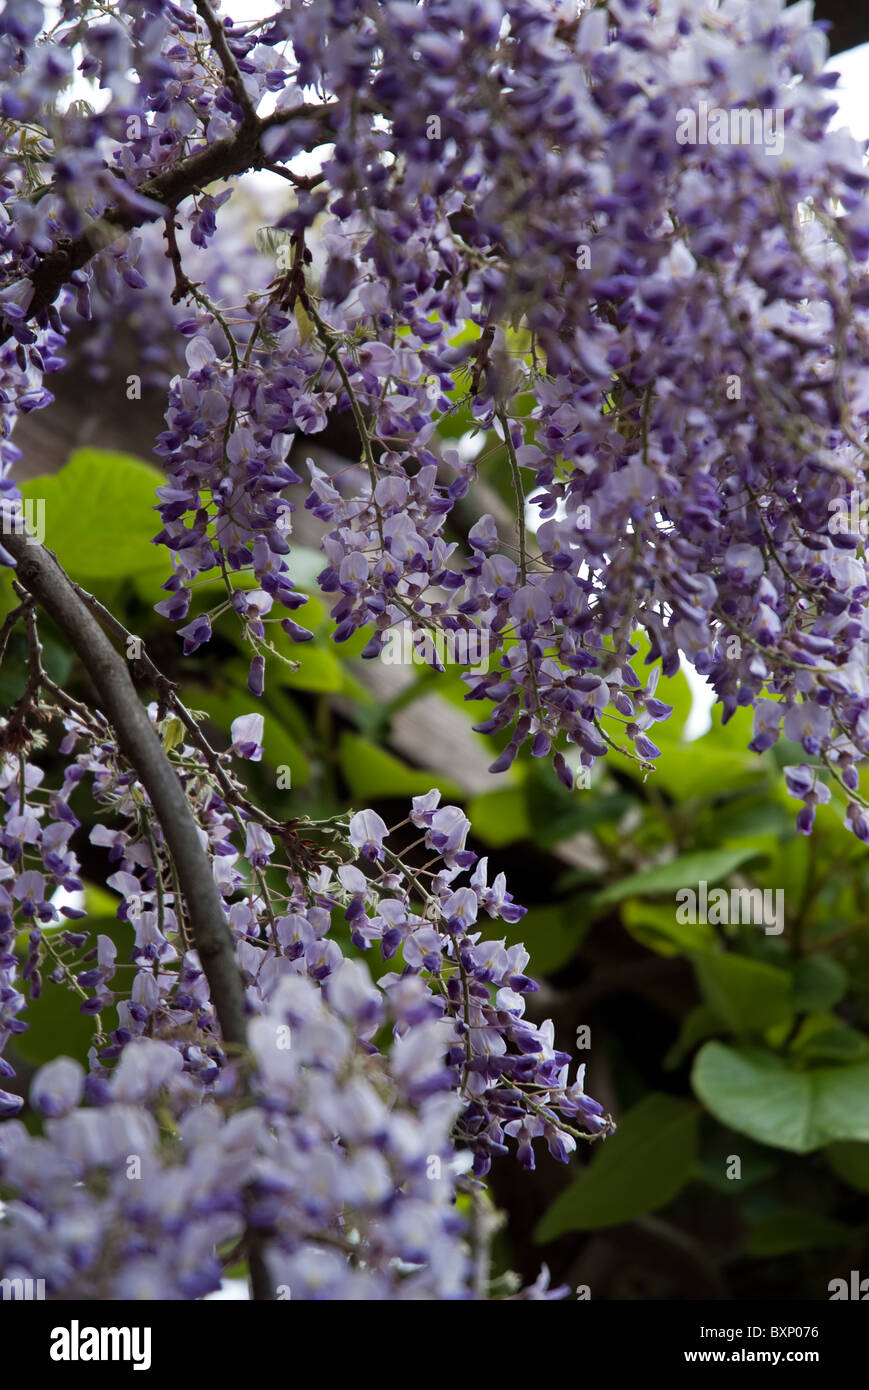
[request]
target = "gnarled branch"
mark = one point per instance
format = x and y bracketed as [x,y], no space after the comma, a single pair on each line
[39,572]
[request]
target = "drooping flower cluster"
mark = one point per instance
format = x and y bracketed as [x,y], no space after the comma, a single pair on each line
[625,244]
[341,1141]
[636,216]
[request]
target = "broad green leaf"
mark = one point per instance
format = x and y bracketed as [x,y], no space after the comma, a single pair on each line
[779,862]
[370,772]
[819,983]
[750,818]
[686,771]
[280,749]
[500,817]
[684,872]
[837,1042]
[57,1024]
[737,733]
[319,668]
[555,820]
[99,515]
[57,1027]
[793,1229]
[656,927]
[717,1169]
[99,903]
[640,1169]
[850,1162]
[756,1093]
[748,995]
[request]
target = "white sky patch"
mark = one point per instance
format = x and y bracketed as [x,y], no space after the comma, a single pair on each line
[469,445]
[62,897]
[231,1290]
[852,93]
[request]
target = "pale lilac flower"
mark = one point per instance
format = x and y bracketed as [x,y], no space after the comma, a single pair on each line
[246,733]
[367,832]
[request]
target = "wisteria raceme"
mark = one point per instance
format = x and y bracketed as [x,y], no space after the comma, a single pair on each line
[342,1145]
[693,337]
[508,202]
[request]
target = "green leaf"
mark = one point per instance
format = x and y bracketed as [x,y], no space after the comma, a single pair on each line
[99,903]
[750,818]
[319,668]
[684,872]
[793,1229]
[819,983]
[640,1169]
[656,927]
[173,733]
[99,514]
[756,1165]
[280,749]
[371,772]
[748,995]
[850,1162]
[554,821]
[687,770]
[826,1038]
[737,733]
[57,1024]
[756,1093]
[500,817]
